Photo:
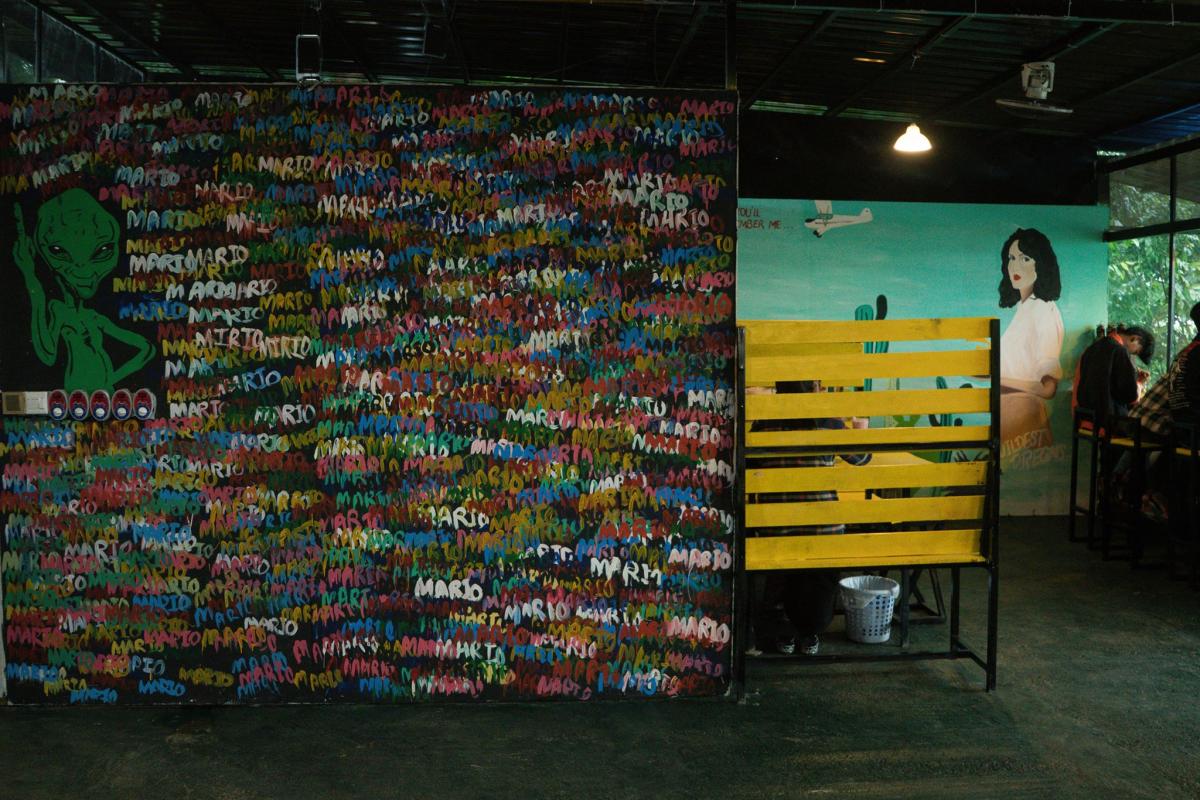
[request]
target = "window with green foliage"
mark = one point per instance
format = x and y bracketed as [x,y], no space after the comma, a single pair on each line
[1187,168]
[1143,289]
[1138,271]
[1187,286]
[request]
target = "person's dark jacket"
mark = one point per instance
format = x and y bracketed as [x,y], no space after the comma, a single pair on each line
[1107,383]
[1184,392]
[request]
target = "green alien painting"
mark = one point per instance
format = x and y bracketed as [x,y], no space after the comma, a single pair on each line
[79,241]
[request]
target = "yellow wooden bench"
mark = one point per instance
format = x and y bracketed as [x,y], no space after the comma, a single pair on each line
[901,511]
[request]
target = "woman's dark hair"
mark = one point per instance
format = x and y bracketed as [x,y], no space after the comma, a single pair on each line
[1034,244]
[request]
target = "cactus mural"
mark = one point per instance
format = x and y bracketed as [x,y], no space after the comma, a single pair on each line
[865,312]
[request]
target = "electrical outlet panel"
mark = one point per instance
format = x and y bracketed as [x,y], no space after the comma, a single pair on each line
[26,403]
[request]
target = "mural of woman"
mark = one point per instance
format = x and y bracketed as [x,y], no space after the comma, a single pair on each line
[1032,343]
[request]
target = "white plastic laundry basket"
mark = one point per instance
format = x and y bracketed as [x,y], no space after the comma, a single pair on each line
[869,602]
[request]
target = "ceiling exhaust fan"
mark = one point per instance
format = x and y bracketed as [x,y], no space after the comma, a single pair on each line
[1037,80]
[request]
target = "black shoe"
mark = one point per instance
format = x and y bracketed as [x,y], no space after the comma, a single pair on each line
[785,645]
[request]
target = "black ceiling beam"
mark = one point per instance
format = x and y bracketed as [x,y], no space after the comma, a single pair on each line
[118,28]
[1102,11]
[1077,39]
[564,38]
[804,41]
[460,55]
[338,29]
[1166,65]
[905,59]
[731,45]
[698,13]
[230,34]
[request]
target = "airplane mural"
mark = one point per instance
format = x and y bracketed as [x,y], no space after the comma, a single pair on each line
[826,220]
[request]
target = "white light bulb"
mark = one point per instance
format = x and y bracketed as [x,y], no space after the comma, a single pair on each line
[912,141]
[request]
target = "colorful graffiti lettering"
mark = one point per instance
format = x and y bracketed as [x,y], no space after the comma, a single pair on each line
[445,398]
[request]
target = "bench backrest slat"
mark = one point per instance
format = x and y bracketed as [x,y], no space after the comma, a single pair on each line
[762,332]
[847,477]
[768,407]
[919,438]
[864,550]
[880,509]
[849,368]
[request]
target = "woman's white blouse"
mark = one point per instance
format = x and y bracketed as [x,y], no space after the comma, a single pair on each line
[1032,343]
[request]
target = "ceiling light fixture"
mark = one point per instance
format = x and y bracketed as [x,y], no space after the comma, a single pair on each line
[912,141]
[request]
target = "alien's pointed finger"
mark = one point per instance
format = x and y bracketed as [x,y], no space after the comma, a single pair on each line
[22,256]
[22,247]
[22,234]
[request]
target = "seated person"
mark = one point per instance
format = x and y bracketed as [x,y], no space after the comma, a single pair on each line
[1106,381]
[806,597]
[1153,413]
[1175,395]
[1174,398]
[1184,393]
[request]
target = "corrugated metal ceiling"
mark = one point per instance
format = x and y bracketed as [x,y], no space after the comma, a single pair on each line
[1129,70]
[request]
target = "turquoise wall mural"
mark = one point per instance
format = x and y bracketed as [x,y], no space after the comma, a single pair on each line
[816,259]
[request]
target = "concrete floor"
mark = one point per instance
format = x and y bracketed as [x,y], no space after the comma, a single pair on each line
[1099,696]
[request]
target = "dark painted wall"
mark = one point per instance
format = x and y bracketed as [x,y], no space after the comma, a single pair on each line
[790,155]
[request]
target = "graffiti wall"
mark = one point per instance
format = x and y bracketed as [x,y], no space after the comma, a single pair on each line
[1043,270]
[442,382]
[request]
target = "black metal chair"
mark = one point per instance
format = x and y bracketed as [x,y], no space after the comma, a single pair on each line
[1084,429]
[1183,540]
[1121,501]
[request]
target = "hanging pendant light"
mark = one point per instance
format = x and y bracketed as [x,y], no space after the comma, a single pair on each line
[913,141]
